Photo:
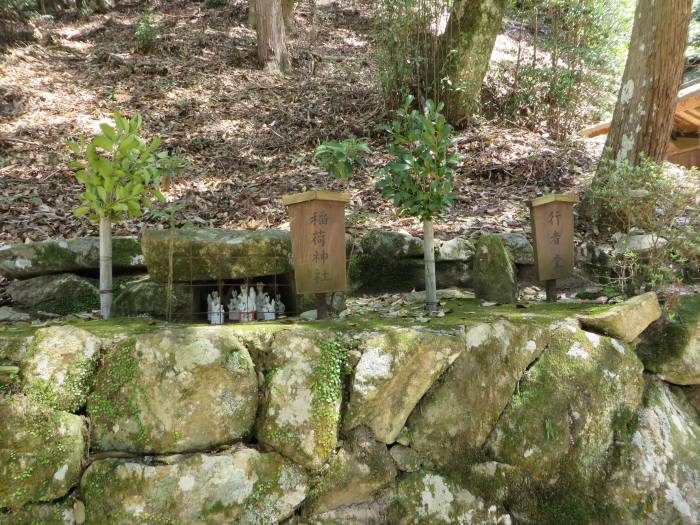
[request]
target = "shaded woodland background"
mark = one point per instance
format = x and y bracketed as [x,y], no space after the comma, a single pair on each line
[249,135]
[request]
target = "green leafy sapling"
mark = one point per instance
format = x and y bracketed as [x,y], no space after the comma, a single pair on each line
[121,173]
[340,159]
[420,178]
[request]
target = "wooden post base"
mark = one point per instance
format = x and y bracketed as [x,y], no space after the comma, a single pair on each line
[551,290]
[321,306]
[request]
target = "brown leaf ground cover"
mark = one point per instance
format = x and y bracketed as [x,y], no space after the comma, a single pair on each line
[249,136]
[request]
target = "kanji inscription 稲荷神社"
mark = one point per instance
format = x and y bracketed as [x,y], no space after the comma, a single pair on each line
[317,224]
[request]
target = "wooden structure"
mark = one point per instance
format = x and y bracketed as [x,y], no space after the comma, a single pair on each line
[317,224]
[552,218]
[684,143]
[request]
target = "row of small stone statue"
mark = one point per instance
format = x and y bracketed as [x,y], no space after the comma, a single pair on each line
[248,305]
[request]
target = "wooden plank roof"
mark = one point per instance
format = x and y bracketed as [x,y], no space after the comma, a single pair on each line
[685,120]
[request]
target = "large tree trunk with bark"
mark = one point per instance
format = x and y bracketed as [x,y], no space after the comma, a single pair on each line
[287,14]
[272,46]
[463,55]
[643,116]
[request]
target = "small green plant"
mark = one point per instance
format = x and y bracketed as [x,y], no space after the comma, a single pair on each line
[659,201]
[169,214]
[340,159]
[215,3]
[121,173]
[420,178]
[327,389]
[145,34]
[548,429]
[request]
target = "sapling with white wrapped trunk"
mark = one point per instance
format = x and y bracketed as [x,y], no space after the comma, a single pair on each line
[420,178]
[121,173]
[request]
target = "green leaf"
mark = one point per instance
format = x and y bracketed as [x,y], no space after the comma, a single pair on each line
[158,195]
[108,131]
[73,146]
[83,210]
[103,142]
[102,193]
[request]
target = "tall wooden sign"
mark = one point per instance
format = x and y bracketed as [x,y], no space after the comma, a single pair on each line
[317,224]
[552,218]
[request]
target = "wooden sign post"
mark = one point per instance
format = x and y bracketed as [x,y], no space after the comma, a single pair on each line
[317,224]
[552,218]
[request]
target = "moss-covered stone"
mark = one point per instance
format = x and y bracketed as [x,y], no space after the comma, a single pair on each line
[405,458]
[60,513]
[625,321]
[657,479]
[40,452]
[455,417]
[456,249]
[354,474]
[494,276]
[243,487]
[60,294]
[425,498]
[204,254]
[519,247]
[21,261]
[146,297]
[563,414]
[15,340]
[176,390]
[371,273]
[396,368]
[671,346]
[391,244]
[301,410]
[59,367]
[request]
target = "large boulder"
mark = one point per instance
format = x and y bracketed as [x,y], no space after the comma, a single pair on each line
[146,297]
[301,409]
[368,273]
[359,470]
[59,513]
[20,261]
[692,395]
[12,315]
[458,414]
[671,346]
[392,244]
[562,419]
[178,390]
[396,368]
[243,487]
[625,321]
[658,477]
[41,451]
[205,254]
[59,367]
[457,249]
[494,276]
[424,498]
[60,294]
[519,247]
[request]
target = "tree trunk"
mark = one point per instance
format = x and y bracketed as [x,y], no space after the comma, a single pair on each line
[105,267]
[643,116]
[272,48]
[287,14]
[464,51]
[429,260]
